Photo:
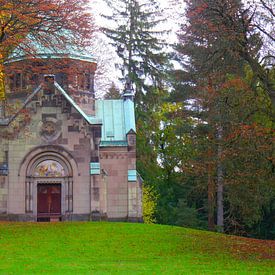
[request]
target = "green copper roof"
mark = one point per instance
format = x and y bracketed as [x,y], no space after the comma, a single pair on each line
[54,51]
[117,120]
[114,143]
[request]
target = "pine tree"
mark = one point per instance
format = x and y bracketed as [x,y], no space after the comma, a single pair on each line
[137,41]
[210,60]
[113,92]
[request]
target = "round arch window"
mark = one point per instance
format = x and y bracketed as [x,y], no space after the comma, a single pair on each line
[49,168]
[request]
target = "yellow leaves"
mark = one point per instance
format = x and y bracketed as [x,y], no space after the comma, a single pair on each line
[171,107]
[2,81]
[149,204]
[2,86]
[5,7]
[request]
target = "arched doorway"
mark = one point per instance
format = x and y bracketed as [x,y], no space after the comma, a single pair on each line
[49,187]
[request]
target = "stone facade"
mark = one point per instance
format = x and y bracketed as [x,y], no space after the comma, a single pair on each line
[82,155]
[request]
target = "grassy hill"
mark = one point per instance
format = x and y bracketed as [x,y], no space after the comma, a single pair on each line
[124,248]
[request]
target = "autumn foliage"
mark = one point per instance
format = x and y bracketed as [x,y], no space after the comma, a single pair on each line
[52,23]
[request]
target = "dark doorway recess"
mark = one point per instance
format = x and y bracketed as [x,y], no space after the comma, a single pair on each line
[48,202]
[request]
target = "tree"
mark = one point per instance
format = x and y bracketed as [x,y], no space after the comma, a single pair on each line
[134,36]
[218,48]
[210,60]
[263,20]
[53,23]
[113,92]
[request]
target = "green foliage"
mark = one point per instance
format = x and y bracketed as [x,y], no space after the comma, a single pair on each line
[265,229]
[189,216]
[216,127]
[164,146]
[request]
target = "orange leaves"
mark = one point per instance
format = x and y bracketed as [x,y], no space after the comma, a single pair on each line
[250,131]
[2,80]
[198,10]
[43,19]
[262,249]
[237,83]
[51,23]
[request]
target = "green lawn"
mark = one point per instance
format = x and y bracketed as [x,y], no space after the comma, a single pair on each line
[125,248]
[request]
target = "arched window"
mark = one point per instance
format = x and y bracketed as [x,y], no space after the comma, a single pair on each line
[49,168]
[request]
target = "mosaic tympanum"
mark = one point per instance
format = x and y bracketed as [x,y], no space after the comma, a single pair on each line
[49,168]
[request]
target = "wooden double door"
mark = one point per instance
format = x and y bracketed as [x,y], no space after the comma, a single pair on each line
[49,201]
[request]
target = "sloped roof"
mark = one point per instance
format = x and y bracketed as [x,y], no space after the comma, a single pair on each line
[117,120]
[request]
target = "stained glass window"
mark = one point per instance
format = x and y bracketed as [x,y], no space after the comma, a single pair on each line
[49,168]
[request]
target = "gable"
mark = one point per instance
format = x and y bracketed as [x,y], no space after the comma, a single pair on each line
[92,120]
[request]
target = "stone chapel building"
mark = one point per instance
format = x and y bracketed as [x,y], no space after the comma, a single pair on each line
[64,155]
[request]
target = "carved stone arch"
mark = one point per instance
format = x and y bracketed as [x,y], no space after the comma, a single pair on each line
[35,153]
[48,155]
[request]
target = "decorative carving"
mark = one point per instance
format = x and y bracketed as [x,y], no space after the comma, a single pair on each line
[50,129]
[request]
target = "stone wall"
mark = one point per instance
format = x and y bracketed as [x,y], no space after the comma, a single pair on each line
[3,177]
[121,198]
[70,134]
[114,187]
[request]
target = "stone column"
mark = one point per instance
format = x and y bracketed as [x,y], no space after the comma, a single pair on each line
[66,191]
[29,195]
[70,195]
[95,192]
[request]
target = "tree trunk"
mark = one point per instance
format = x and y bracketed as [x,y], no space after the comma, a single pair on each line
[220,183]
[211,199]
[130,49]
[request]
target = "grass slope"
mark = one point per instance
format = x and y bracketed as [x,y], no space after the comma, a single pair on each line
[118,248]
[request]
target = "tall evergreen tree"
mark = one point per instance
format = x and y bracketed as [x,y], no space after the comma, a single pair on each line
[209,61]
[216,48]
[137,40]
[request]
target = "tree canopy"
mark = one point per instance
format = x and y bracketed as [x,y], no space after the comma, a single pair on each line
[49,22]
